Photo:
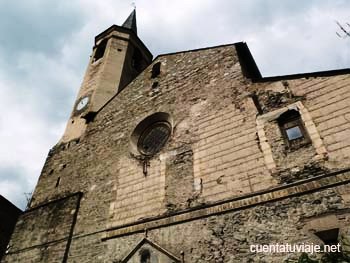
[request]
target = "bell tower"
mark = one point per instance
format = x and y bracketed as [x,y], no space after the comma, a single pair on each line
[118,56]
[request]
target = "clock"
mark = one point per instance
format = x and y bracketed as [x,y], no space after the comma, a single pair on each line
[82,103]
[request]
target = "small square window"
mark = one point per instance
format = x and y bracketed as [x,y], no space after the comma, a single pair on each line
[294,133]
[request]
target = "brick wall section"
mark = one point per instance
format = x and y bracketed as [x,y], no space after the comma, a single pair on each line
[136,195]
[226,238]
[52,254]
[179,197]
[322,103]
[42,234]
[227,157]
[327,100]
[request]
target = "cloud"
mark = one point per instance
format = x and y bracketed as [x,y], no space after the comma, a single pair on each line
[45,47]
[300,34]
[37,25]
[36,79]
[14,180]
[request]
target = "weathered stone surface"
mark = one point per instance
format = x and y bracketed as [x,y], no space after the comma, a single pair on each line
[224,180]
[43,234]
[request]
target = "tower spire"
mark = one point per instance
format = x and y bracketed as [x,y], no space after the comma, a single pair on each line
[117,58]
[130,22]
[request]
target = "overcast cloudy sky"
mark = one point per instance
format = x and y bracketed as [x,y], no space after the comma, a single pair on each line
[45,46]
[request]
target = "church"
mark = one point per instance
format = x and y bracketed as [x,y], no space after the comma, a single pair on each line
[192,157]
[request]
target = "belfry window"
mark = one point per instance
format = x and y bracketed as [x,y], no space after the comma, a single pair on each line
[136,61]
[293,129]
[100,50]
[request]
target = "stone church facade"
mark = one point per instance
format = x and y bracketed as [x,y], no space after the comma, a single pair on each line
[191,157]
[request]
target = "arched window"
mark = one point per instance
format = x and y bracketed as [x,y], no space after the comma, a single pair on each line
[145,256]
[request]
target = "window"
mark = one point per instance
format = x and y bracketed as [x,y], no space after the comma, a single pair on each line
[155,70]
[155,84]
[293,129]
[136,61]
[58,182]
[154,137]
[294,133]
[329,236]
[150,135]
[100,50]
[145,256]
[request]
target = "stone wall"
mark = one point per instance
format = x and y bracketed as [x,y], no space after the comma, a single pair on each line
[206,182]
[43,234]
[227,237]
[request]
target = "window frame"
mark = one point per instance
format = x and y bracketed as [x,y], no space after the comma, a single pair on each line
[146,133]
[100,50]
[291,119]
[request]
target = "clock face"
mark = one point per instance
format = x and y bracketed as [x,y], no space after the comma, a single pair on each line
[82,103]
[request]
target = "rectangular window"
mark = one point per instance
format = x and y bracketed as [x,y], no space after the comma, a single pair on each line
[294,133]
[100,50]
[155,70]
[293,130]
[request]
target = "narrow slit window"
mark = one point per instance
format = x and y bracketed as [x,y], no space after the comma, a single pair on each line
[58,182]
[155,70]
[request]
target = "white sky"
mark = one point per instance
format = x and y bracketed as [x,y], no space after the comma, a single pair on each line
[45,46]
